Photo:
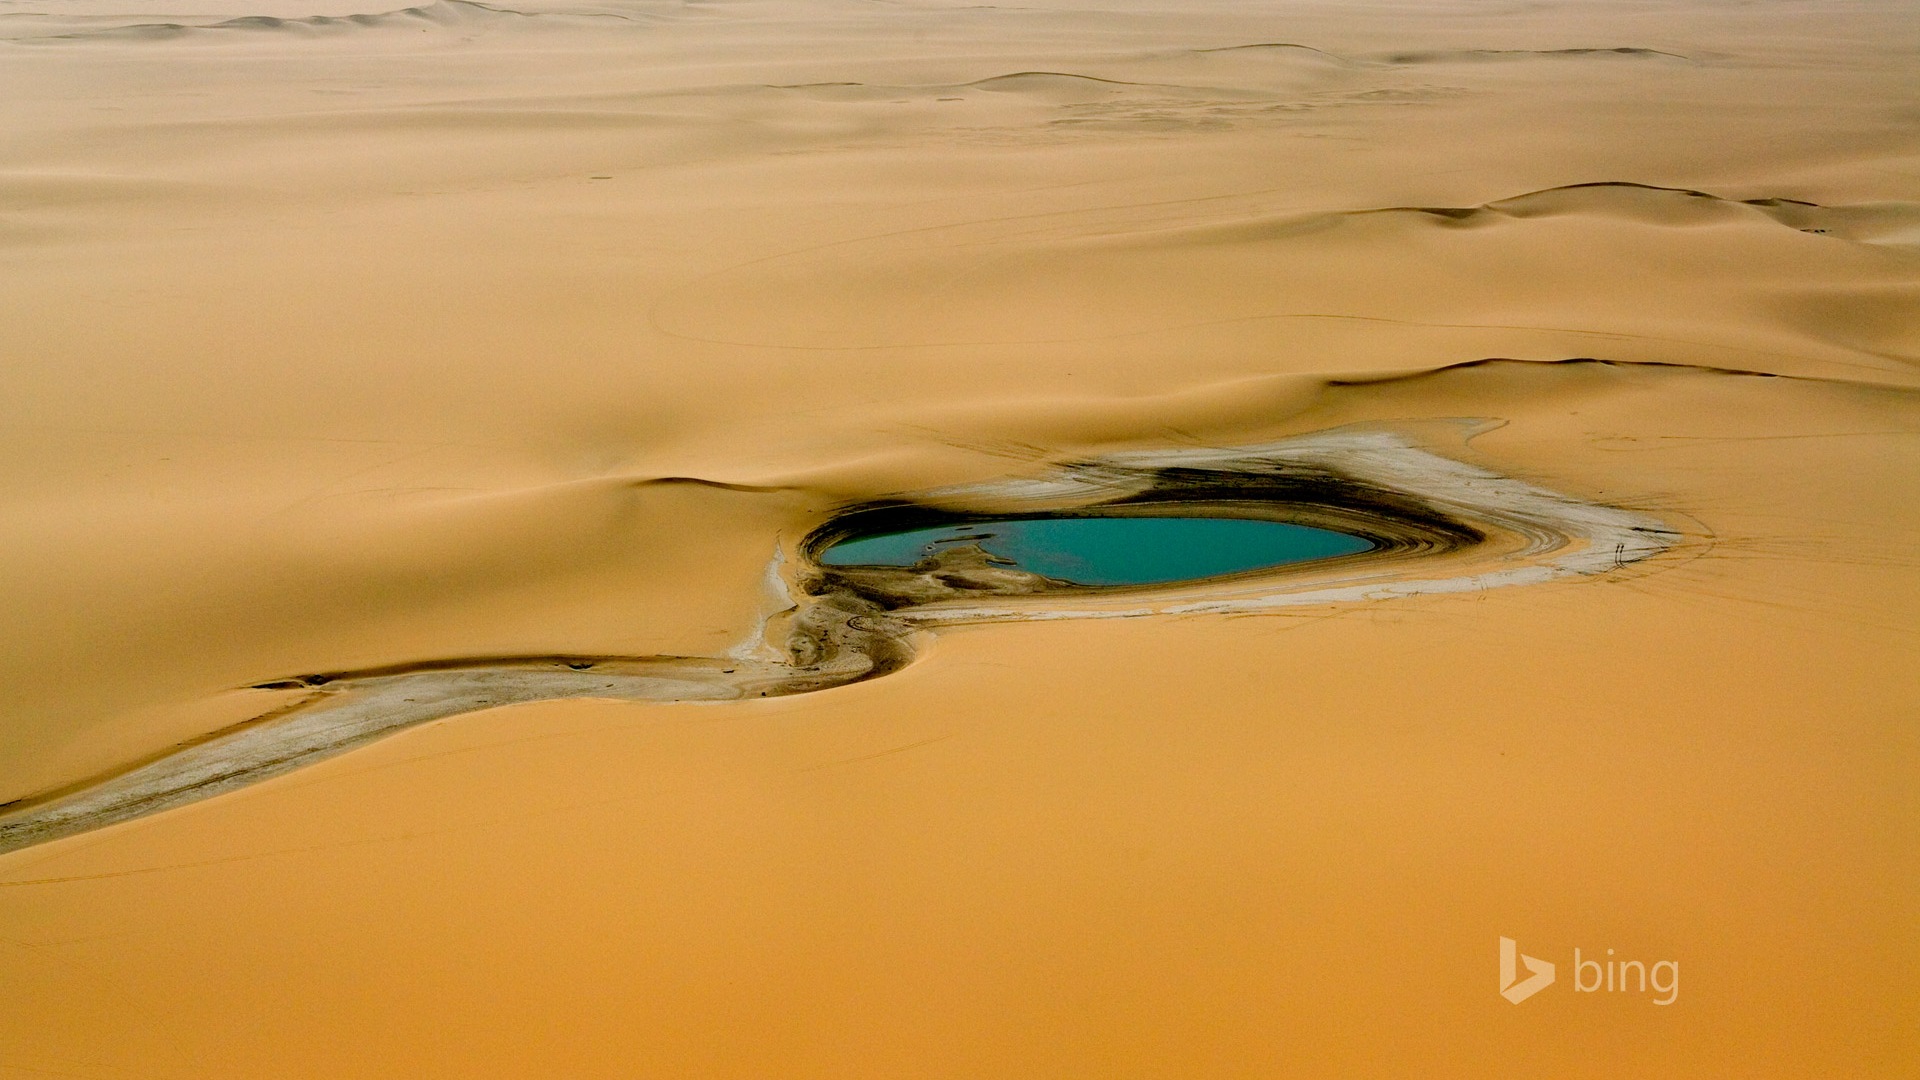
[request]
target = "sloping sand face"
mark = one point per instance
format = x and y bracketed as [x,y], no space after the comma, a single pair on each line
[419,427]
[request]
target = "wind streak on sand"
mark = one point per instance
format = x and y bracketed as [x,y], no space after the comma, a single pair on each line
[1439,526]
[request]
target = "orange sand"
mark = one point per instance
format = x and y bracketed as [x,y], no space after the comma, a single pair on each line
[326,347]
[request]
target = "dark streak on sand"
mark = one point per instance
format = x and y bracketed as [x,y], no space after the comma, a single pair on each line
[1572,361]
[1443,56]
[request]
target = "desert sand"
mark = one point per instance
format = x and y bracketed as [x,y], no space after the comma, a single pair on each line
[343,344]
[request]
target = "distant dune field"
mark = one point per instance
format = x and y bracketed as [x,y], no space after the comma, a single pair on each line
[420,430]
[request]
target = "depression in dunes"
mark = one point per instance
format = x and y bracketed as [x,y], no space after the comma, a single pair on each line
[877,539]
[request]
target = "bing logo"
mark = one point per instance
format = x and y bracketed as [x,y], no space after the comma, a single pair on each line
[1589,976]
[1539,973]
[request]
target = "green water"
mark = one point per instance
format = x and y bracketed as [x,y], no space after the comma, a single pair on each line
[1106,551]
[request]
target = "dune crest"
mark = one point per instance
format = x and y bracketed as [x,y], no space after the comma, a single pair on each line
[1653,204]
[439,14]
[1470,56]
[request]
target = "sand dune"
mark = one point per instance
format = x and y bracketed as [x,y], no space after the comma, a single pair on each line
[1654,205]
[1048,87]
[1104,278]
[461,15]
[1266,52]
[1468,56]
[418,426]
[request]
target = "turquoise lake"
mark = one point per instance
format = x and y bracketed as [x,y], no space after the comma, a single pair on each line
[1109,551]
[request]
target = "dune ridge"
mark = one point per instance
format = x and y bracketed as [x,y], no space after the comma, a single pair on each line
[440,14]
[1863,251]
[1656,204]
[1444,56]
